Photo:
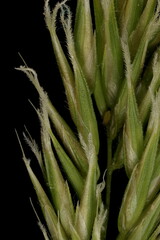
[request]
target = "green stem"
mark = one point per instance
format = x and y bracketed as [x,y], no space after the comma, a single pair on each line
[109,174]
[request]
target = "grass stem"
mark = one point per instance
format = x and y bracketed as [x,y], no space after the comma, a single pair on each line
[109,175]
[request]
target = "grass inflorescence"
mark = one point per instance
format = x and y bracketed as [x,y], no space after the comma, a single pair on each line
[110,69]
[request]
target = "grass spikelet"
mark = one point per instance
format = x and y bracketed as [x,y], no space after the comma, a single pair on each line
[148,220]
[61,198]
[138,186]
[46,206]
[133,133]
[138,64]
[112,65]
[67,136]
[63,64]
[84,41]
[87,207]
[86,122]
[99,93]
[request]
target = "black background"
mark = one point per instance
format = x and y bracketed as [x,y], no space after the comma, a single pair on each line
[25,34]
